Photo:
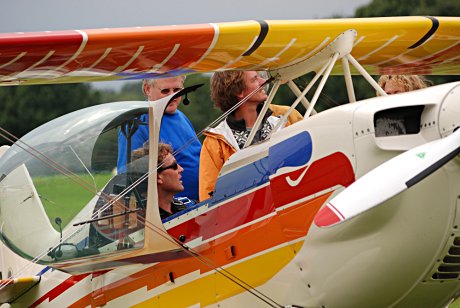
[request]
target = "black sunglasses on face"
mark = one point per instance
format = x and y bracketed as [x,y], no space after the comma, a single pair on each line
[173,166]
[169,90]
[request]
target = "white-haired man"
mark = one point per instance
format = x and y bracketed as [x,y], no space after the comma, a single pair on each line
[176,130]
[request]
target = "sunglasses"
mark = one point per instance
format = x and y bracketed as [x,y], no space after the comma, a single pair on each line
[173,166]
[169,90]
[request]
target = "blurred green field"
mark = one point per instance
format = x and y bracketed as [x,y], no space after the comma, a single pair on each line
[62,197]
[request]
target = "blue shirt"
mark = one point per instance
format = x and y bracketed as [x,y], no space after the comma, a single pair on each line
[176,130]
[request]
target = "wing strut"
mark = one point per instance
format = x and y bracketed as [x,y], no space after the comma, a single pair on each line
[348,80]
[295,89]
[262,112]
[365,74]
[330,65]
[302,95]
[322,63]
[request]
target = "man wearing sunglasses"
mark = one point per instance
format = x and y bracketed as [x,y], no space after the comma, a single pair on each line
[169,182]
[176,130]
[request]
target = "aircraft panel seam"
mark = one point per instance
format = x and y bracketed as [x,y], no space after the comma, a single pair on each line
[49,54]
[169,56]
[430,55]
[19,56]
[131,60]
[311,53]
[276,57]
[79,50]
[211,46]
[379,48]
[102,57]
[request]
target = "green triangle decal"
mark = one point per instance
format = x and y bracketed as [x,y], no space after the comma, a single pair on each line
[421,155]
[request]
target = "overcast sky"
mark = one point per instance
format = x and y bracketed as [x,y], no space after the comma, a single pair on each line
[42,15]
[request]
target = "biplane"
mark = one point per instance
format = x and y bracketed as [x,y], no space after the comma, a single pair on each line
[332,211]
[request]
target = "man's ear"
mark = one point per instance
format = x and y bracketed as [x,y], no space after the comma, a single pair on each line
[159,179]
[146,89]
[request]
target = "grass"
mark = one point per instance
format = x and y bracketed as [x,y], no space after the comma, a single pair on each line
[62,197]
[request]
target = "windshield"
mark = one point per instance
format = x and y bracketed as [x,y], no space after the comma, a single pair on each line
[60,187]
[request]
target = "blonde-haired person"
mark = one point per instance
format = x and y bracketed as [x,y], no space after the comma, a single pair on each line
[394,84]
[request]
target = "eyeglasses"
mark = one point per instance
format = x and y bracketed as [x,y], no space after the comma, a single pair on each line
[173,166]
[169,90]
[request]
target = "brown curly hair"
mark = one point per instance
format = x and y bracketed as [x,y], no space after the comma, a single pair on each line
[225,86]
[163,150]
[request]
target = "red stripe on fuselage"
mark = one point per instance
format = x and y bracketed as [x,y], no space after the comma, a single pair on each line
[61,288]
[227,216]
[324,173]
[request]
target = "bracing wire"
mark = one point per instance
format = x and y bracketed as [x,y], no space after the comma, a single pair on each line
[80,181]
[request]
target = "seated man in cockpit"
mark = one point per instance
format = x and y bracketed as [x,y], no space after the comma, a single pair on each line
[228,88]
[169,175]
[169,183]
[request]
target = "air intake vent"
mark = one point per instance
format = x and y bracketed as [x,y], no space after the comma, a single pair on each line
[450,266]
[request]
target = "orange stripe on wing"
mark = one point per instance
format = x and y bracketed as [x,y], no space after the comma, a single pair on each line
[157,41]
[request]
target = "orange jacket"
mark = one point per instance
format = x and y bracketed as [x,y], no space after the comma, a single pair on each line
[219,145]
[279,110]
[214,153]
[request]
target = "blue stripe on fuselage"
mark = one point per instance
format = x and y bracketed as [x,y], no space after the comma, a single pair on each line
[293,152]
[44,270]
[240,180]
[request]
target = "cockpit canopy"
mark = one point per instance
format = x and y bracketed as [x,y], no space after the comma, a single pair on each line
[60,190]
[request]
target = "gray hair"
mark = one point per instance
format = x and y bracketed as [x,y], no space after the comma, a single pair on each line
[151,81]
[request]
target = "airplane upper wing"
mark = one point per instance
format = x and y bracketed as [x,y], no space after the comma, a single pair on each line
[11,289]
[388,45]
